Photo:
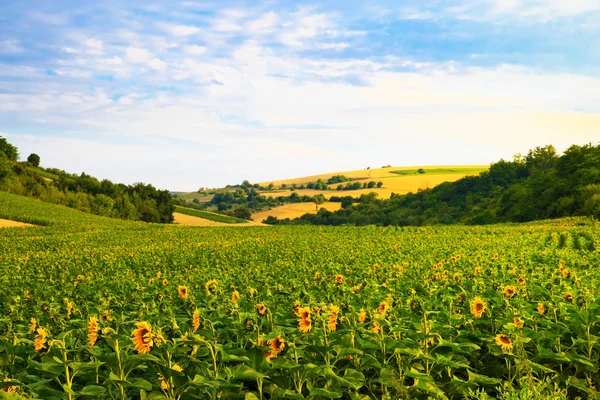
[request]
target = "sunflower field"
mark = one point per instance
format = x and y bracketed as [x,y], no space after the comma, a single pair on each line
[92,307]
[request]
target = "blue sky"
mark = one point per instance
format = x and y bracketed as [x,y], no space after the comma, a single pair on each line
[204,93]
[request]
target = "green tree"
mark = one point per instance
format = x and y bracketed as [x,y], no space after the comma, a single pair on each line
[242,212]
[318,200]
[8,149]
[34,160]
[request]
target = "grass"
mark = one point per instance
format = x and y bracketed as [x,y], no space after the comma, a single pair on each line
[440,171]
[44,173]
[210,216]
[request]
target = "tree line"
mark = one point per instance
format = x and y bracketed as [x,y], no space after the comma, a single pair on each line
[138,202]
[540,185]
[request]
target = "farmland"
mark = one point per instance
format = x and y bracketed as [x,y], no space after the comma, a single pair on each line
[399,180]
[97,307]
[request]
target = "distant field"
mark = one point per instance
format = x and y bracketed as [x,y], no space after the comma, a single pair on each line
[294,210]
[399,180]
[209,216]
[6,223]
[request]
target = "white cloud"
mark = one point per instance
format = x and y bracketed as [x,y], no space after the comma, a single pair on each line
[266,24]
[69,50]
[94,46]
[195,50]
[157,65]
[228,21]
[181,30]
[137,55]
[305,26]
[334,46]
[545,9]
[10,46]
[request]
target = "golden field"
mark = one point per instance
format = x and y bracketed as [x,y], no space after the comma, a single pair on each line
[392,182]
[294,210]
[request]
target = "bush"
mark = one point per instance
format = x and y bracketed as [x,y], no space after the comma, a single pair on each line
[34,160]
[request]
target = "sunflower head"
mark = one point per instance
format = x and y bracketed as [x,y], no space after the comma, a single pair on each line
[568,297]
[261,308]
[196,320]
[362,315]
[211,286]
[541,309]
[182,292]
[304,312]
[383,307]
[165,282]
[93,329]
[504,341]
[235,296]
[339,279]
[142,337]
[305,325]
[40,340]
[509,291]
[317,276]
[518,322]
[521,281]
[477,307]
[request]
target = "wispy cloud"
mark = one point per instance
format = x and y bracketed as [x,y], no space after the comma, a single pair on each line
[306,88]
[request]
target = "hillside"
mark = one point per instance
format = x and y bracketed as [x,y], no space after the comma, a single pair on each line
[138,202]
[399,180]
[541,185]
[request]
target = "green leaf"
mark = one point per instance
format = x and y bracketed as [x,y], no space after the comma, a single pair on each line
[246,373]
[325,393]
[429,387]
[482,379]
[142,384]
[93,390]
[250,396]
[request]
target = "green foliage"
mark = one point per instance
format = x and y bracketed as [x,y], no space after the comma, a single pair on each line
[10,151]
[210,216]
[419,339]
[34,160]
[84,192]
[540,186]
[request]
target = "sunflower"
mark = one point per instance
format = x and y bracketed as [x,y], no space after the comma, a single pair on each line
[93,330]
[142,337]
[40,340]
[518,322]
[362,316]
[69,305]
[277,345]
[356,288]
[235,296]
[541,309]
[261,308]
[376,327]
[332,320]
[182,292]
[477,307]
[383,308]
[158,275]
[568,297]
[9,389]
[339,279]
[521,281]
[211,286]
[196,320]
[317,276]
[509,291]
[296,307]
[504,342]
[165,282]
[305,323]
[33,325]
[164,385]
